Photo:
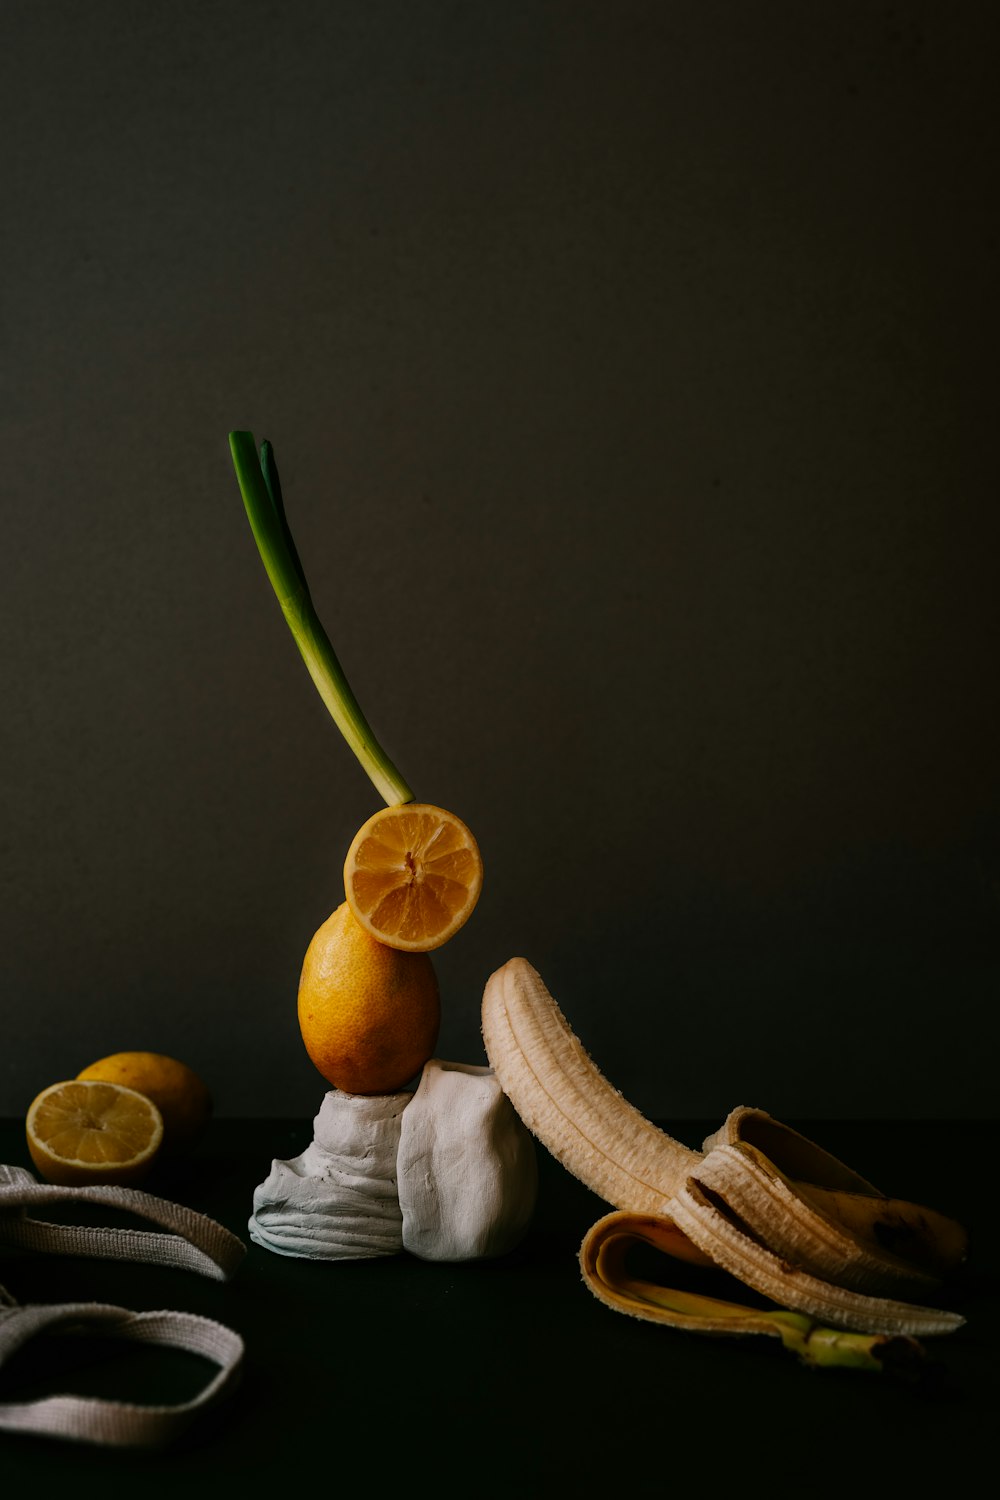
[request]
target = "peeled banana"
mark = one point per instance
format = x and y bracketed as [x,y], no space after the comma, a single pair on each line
[833,1255]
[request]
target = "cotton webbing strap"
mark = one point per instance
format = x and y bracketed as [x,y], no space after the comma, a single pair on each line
[115,1423]
[196,1243]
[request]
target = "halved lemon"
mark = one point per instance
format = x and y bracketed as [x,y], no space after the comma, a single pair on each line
[83,1132]
[413,875]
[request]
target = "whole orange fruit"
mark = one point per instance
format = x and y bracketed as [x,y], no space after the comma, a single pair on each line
[179,1093]
[369,1014]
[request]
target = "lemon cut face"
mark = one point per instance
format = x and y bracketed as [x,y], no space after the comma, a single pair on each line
[413,876]
[81,1132]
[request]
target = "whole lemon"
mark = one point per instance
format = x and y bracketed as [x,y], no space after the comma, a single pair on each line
[179,1093]
[369,1014]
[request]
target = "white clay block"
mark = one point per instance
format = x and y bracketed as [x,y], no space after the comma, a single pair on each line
[339,1199]
[467,1172]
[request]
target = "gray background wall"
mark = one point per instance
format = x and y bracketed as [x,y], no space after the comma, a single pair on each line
[631,370]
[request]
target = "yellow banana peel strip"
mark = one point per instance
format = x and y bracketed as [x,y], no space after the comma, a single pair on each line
[605,1256]
[821,1216]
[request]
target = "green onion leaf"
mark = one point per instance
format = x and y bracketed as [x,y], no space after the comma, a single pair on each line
[257,476]
[270,471]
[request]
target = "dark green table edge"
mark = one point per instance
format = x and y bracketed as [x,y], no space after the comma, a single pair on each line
[502,1377]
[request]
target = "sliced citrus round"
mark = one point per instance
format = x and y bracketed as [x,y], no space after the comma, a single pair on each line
[413,875]
[179,1093]
[83,1131]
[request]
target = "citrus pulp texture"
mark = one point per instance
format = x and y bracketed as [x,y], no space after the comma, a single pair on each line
[82,1132]
[369,1014]
[178,1092]
[413,875]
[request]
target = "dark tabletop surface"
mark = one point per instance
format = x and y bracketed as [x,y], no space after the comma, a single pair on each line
[508,1377]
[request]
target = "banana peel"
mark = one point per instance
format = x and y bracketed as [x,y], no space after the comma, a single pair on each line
[607,1271]
[835,1268]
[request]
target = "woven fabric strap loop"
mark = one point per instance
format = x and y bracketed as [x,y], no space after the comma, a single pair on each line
[116,1423]
[195,1243]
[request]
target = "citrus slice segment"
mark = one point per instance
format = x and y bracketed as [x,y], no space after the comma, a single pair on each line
[413,875]
[83,1132]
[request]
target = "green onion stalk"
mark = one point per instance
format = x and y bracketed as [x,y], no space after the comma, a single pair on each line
[257,475]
